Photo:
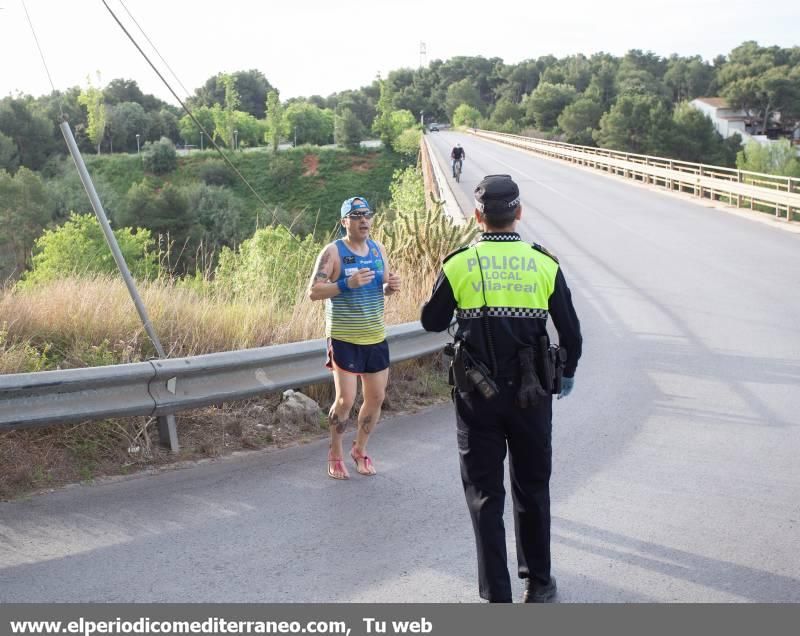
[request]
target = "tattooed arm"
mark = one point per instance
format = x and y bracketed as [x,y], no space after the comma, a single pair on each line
[326,270]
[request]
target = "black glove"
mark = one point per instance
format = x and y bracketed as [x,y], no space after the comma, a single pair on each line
[530,388]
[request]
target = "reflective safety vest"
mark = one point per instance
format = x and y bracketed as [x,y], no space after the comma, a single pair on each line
[511,278]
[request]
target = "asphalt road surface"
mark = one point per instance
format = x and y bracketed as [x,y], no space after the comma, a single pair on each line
[676,471]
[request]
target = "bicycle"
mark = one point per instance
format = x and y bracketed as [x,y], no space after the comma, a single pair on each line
[457,170]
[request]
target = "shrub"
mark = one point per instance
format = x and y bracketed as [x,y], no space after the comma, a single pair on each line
[165,212]
[79,247]
[419,237]
[218,210]
[773,158]
[273,264]
[407,142]
[216,173]
[68,195]
[159,157]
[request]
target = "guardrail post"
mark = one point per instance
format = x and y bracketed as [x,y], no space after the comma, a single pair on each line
[699,189]
[168,432]
[738,196]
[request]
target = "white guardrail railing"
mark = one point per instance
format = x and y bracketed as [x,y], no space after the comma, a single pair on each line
[165,386]
[738,188]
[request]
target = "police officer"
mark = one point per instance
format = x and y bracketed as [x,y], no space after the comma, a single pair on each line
[503,290]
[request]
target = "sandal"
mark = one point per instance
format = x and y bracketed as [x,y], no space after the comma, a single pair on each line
[368,469]
[336,468]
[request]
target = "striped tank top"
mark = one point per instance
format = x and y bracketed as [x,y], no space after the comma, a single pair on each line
[356,316]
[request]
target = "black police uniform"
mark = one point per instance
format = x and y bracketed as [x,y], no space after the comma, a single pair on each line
[486,427]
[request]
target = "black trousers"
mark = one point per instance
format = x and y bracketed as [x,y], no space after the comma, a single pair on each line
[485,429]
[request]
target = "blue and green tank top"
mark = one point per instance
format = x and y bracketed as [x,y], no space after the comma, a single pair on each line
[356,316]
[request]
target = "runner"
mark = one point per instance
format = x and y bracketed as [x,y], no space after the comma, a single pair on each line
[352,276]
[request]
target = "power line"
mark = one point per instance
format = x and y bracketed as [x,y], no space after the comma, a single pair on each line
[177,79]
[188,112]
[41,54]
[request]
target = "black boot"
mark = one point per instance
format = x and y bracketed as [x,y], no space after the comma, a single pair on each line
[536,592]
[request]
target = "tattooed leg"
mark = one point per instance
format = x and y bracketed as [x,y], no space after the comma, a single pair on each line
[337,423]
[374,388]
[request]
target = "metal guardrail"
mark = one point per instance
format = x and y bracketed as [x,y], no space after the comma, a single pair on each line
[737,187]
[164,386]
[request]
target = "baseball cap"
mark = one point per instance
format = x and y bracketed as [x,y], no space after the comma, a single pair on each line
[496,193]
[355,204]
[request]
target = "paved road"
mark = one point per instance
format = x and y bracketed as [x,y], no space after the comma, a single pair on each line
[676,472]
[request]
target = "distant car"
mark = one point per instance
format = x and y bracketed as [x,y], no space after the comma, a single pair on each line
[434,128]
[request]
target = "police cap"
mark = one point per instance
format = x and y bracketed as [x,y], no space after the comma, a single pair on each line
[497,193]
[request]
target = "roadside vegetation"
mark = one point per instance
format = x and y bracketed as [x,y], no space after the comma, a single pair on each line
[254,296]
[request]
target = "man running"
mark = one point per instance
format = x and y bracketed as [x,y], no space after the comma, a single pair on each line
[352,276]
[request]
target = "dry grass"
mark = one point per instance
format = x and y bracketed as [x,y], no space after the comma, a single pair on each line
[90,322]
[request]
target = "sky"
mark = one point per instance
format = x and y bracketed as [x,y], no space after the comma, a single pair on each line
[309,47]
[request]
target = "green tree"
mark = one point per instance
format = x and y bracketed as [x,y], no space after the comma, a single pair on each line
[249,130]
[31,132]
[694,138]
[251,86]
[463,92]
[24,212]
[466,115]
[778,158]
[163,123]
[275,120]
[164,211]
[762,81]
[545,104]
[224,117]
[516,80]
[218,211]
[189,131]
[579,119]
[79,248]
[636,81]
[604,79]
[125,120]
[9,159]
[636,123]
[506,113]
[348,130]
[91,99]
[311,124]
[688,78]
[382,125]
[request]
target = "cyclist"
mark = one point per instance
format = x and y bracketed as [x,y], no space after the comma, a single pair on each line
[457,154]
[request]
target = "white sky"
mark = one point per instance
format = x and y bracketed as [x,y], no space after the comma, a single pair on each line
[307,47]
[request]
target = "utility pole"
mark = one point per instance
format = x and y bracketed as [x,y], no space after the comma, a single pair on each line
[167,430]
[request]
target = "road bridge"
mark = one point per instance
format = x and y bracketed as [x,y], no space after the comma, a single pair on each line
[675,458]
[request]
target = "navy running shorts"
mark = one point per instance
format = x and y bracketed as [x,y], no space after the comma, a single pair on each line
[357,358]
